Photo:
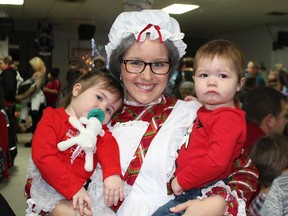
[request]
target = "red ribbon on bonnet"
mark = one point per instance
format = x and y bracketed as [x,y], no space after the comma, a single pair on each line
[147,27]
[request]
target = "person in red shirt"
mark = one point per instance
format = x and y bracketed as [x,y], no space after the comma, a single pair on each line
[216,138]
[58,176]
[53,88]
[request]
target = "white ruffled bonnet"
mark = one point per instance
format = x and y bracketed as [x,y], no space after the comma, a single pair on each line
[156,22]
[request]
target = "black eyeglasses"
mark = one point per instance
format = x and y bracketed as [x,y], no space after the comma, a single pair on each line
[138,66]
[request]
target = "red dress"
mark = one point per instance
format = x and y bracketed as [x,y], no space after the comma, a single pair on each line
[4,145]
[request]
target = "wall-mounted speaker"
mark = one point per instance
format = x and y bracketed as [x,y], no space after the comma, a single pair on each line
[282,39]
[6,27]
[86,31]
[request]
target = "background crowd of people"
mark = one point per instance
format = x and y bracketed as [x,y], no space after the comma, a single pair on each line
[154,122]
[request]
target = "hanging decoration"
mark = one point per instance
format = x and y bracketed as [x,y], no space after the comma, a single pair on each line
[94,52]
[44,38]
[88,57]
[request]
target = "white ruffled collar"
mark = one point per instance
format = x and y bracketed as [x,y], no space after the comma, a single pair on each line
[134,103]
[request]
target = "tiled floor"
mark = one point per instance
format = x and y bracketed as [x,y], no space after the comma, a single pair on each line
[13,187]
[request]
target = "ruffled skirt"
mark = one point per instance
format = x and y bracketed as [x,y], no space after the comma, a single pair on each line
[43,196]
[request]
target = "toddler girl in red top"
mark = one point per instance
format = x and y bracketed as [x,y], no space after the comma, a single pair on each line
[57,182]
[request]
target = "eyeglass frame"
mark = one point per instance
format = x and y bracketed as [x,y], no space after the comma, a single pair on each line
[125,61]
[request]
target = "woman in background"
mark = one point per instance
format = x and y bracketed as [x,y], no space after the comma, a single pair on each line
[33,99]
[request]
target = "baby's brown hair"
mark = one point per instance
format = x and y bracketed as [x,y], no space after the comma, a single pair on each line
[269,155]
[101,79]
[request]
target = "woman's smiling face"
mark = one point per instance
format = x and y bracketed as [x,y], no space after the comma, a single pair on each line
[145,87]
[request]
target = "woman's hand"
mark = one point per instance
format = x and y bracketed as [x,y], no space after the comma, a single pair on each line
[113,190]
[211,206]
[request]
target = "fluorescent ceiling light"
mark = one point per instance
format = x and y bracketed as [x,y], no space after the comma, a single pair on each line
[180,8]
[12,2]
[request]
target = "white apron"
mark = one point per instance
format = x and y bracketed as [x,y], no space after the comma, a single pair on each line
[150,188]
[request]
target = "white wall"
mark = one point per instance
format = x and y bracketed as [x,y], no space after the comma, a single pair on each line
[257,44]
[4,47]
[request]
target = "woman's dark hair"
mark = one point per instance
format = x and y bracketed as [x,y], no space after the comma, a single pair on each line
[55,72]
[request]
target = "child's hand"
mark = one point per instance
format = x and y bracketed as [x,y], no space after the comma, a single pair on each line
[113,190]
[81,201]
[177,189]
[190,98]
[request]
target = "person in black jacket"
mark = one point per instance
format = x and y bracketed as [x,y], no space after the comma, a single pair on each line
[8,83]
[5,208]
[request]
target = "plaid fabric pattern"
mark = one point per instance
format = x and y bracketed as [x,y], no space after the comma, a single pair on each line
[256,204]
[244,180]
[232,203]
[156,116]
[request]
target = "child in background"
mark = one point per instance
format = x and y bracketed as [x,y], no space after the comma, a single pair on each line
[52,89]
[269,155]
[53,167]
[219,131]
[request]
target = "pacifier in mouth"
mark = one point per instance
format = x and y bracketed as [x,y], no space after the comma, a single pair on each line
[98,113]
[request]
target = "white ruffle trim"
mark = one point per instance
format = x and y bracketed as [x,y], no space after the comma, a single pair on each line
[172,155]
[182,116]
[241,202]
[130,124]
[43,196]
[95,191]
[134,103]
[128,23]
